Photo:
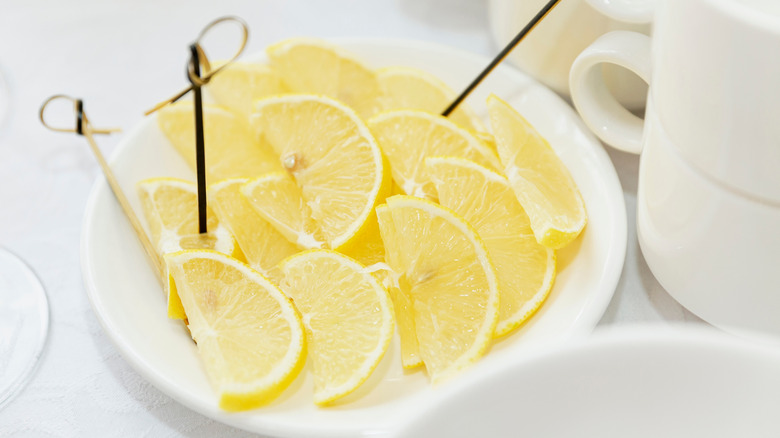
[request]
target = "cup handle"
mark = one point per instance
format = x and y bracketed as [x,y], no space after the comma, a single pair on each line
[603,114]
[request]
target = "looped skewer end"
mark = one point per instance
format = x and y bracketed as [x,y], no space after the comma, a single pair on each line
[84,129]
[198,59]
[199,80]
[82,122]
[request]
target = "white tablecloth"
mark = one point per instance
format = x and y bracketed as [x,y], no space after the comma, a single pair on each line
[121,56]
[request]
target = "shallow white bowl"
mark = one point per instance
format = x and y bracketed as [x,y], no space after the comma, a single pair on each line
[131,307]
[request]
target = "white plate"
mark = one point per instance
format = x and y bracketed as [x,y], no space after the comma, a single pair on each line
[131,307]
[647,381]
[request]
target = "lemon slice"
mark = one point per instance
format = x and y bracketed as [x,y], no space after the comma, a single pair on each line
[444,268]
[525,269]
[249,335]
[239,84]
[171,209]
[407,137]
[277,199]
[411,88]
[231,150]
[334,160]
[402,302]
[348,318]
[310,65]
[262,245]
[539,179]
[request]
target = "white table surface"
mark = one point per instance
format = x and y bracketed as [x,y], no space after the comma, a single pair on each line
[121,56]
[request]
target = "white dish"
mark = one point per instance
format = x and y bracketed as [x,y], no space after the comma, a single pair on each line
[651,381]
[128,301]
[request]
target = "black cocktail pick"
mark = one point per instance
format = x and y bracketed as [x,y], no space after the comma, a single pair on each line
[500,57]
[197,80]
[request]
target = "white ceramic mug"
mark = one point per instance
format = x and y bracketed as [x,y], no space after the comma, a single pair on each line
[708,215]
[548,52]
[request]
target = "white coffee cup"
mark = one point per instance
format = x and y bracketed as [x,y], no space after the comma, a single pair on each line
[548,52]
[708,215]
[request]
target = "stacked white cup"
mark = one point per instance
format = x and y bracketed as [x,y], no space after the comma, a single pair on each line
[708,217]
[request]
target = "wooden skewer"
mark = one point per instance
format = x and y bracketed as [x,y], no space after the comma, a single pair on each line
[500,57]
[85,129]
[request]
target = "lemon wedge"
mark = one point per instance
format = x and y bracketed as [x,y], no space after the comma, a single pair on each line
[335,162]
[239,84]
[402,302]
[348,318]
[249,335]
[412,88]
[309,65]
[444,268]
[170,206]
[278,199]
[231,149]
[263,246]
[525,269]
[407,137]
[538,177]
